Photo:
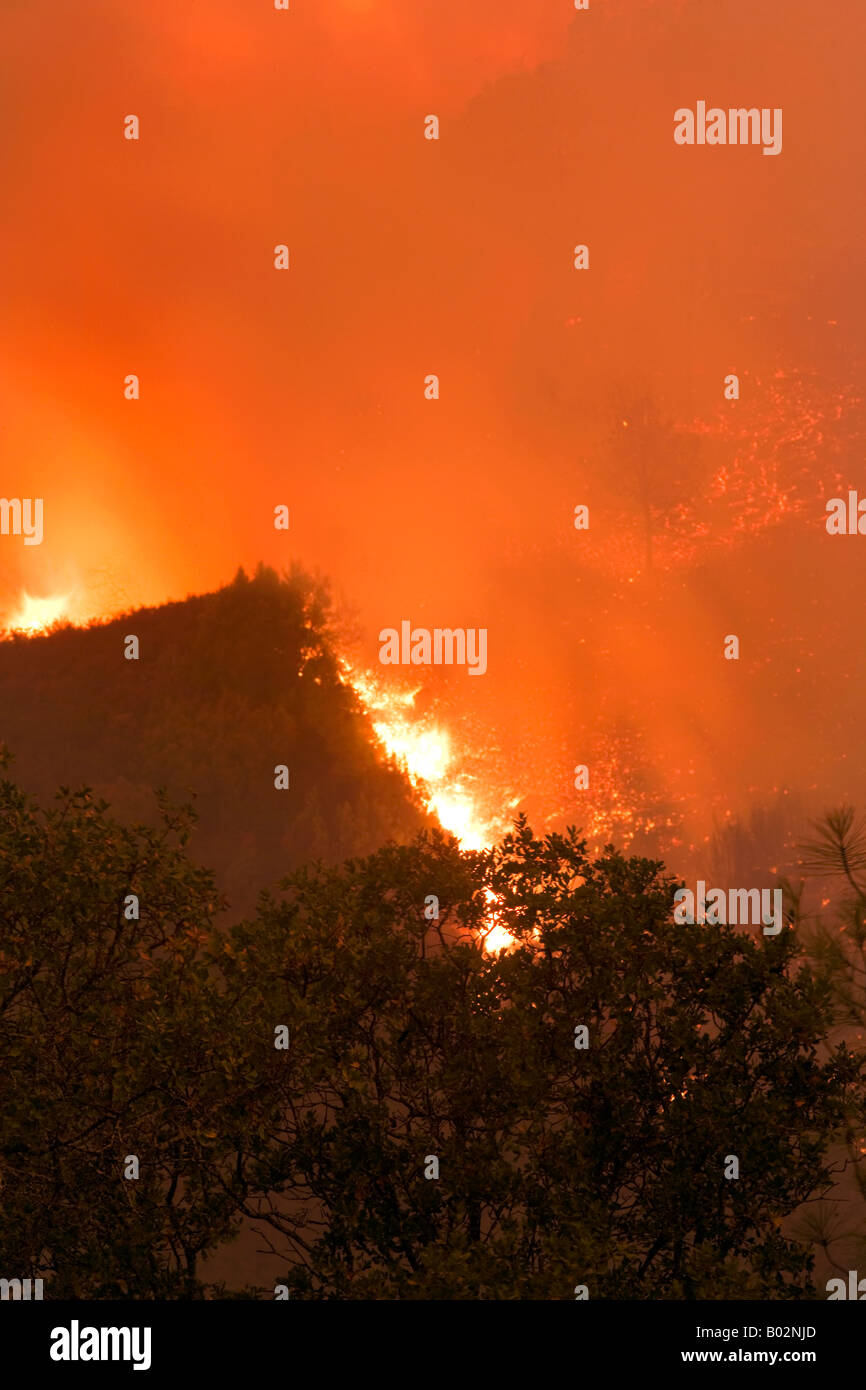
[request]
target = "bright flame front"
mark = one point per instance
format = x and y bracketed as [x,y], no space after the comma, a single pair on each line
[38,614]
[426,752]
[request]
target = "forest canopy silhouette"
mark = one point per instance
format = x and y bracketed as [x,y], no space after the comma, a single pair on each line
[581,1093]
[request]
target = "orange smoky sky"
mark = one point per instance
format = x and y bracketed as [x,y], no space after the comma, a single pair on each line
[455,257]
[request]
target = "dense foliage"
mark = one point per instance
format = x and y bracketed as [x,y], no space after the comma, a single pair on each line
[559,1165]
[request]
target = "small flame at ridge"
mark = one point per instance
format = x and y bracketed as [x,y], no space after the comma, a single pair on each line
[38,614]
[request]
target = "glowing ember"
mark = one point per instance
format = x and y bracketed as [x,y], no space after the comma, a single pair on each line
[499,940]
[497,937]
[38,614]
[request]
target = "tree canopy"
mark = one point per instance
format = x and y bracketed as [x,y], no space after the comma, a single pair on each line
[582,1093]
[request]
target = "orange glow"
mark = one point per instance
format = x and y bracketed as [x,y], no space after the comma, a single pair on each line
[601,387]
[38,614]
[497,937]
[458,814]
[425,750]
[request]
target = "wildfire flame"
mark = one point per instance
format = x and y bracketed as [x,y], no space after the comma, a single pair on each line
[38,614]
[426,752]
[418,742]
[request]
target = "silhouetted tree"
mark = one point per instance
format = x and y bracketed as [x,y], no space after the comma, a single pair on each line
[557,1166]
[115,1046]
[657,463]
[836,944]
